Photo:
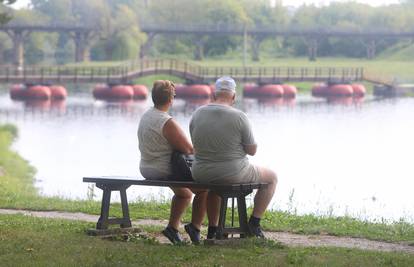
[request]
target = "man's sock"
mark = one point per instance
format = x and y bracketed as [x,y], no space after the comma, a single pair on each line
[254,221]
[211,232]
[172,229]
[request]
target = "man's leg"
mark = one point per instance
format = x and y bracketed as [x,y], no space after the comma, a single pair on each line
[265,194]
[198,214]
[213,213]
[199,207]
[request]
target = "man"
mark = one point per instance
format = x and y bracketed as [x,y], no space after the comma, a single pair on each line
[222,138]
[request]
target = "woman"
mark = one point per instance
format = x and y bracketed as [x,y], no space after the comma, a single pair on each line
[158,135]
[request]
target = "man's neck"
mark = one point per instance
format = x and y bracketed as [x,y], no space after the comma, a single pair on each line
[224,102]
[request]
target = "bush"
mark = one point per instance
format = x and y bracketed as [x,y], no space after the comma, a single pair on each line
[10,128]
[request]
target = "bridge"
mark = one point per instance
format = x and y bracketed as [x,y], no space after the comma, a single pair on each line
[125,73]
[368,38]
[83,36]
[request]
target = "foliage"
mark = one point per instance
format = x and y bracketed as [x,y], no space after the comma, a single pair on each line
[5,16]
[119,36]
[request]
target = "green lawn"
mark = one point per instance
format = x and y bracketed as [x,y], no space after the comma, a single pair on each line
[400,69]
[29,241]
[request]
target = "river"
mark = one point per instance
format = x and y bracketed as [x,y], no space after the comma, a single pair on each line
[334,158]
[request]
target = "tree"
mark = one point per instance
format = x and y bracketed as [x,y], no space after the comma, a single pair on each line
[5,16]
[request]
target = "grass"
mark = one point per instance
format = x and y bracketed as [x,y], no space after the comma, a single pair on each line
[149,80]
[17,192]
[29,241]
[403,70]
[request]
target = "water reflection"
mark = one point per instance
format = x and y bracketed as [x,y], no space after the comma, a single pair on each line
[346,101]
[340,157]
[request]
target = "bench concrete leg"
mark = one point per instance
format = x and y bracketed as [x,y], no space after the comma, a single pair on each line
[106,201]
[222,218]
[241,208]
[104,220]
[125,209]
[243,228]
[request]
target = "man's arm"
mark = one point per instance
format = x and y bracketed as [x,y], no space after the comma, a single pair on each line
[250,149]
[248,143]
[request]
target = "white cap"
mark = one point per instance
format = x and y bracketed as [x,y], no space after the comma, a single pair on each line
[225,83]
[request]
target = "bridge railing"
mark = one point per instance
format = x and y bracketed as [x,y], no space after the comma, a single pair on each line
[133,69]
[185,69]
[64,73]
[174,66]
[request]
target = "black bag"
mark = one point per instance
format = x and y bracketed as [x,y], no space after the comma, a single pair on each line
[181,166]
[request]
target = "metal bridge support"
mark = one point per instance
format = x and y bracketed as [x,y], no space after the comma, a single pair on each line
[256,42]
[146,46]
[371,46]
[199,48]
[312,44]
[18,37]
[82,41]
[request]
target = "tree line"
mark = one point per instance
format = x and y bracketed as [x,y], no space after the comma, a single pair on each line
[119,36]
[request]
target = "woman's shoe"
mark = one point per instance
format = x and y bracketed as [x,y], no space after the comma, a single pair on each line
[172,234]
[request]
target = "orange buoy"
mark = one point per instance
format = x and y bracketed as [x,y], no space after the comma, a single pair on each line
[58,92]
[120,92]
[194,90]
[340,90]
[140,91]
[359,90]
[320,90]
[17,91]
[101,91]
[250,89]
[289,91]
[270,90]
[180,90]
[38,92]
[199,90]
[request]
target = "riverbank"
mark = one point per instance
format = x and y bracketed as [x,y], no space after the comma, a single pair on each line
[17,192]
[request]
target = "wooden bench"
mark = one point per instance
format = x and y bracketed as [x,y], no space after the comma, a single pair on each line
[121,184]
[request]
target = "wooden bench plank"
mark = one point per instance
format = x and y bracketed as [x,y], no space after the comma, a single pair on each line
[166,183]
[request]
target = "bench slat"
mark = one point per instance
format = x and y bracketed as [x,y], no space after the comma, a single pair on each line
[122,180]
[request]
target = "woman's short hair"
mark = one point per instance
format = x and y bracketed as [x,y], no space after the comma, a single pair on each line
[162,92]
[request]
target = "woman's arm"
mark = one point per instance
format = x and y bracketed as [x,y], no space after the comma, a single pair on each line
[176,137]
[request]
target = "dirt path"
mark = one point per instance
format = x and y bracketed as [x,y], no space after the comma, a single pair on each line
[287,239]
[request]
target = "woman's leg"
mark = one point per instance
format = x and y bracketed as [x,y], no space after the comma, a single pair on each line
[180,201]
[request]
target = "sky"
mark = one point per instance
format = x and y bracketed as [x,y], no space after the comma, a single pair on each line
[24,3]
